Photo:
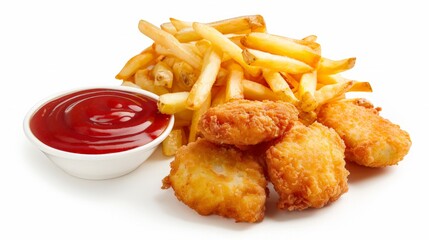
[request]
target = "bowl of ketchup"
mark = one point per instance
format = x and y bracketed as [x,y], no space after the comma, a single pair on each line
[100,132]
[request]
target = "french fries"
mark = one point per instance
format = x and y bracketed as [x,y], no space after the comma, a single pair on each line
[170,42]
[202,87]
[194,66]
[275,62]
[244,24]
[282,46]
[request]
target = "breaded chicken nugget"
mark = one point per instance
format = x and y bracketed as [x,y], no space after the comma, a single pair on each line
[245,122]
[222,180]
[307,167]
[370,139]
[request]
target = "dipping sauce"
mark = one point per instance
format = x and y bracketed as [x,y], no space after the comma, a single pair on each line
[98,121]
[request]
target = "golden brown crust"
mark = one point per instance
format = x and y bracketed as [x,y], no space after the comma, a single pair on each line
[222,180]
[245,122]
[307,167]
[370,139]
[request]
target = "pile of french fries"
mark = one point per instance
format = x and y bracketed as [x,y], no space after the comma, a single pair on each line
[194,66]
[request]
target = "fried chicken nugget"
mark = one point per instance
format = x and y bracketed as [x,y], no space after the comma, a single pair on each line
[370,139]
[222,180]
[307,167]
[245,122]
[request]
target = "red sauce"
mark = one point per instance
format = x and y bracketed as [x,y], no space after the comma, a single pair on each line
[98,121]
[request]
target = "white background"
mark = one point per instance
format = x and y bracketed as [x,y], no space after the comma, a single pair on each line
[51,46]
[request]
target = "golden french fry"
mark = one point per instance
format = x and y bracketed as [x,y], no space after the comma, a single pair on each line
[329,92]
[163,75]
[361,87]
[184,75]
[179,24]
[221,77]
[196,116]
[306,90]
[291,80]
[173,142]
[171,103]
[219,97]
[337,78]
[169,27]
[223,43]
[256,91]
[202,87]
[328,66]
[234,86]
[279,85]
[169,60]
[135,63]
[244,24]
[281,46]
[170,42]
[203,45]
[144,81]
[310,38]
[274,62]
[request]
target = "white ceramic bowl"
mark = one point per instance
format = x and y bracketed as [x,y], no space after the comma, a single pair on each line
[97,166]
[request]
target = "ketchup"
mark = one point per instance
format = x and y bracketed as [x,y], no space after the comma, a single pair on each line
[98,121]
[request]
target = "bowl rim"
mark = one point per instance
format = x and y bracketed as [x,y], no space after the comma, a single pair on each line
[82,156]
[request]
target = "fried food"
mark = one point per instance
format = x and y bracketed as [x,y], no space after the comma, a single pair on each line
[370,139]
[307,167]
[246,122]
[222,180]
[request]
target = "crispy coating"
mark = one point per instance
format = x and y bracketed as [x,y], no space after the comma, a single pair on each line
[245,122]
[307,167]
[222,180]
[370,139]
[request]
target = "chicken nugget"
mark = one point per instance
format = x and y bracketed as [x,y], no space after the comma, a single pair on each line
[222,180]
[245,122]
[307,167]
[370,139]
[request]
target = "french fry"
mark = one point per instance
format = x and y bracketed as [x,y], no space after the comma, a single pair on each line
[135,63]
[163,75]
[171,103]
[337,78]
[202,87]
[221,77]
[173,142]
[290,80]
[179,24]
[274,62]
[279,85]
[306,90]
[329,92]
[328,66]
[196,116]
[226,45]
[253,23]
[281,46]
[184,75]
[203,45]
[144,81]
[170,42]
[169,60]
[361,87]
[234,86]
[219,97]
[255,91]
[169,27]
[310,38]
